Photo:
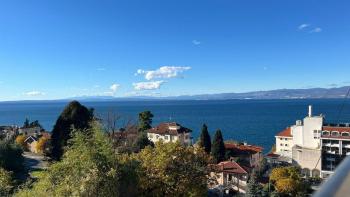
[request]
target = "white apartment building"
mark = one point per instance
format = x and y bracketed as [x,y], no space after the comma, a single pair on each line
[300,144]
[170,132]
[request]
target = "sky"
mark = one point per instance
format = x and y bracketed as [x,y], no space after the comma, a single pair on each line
[69,48]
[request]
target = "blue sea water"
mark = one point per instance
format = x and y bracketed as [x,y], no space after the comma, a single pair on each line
[253,121]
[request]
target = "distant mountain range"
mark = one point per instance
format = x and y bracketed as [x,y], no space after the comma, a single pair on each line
[311,93]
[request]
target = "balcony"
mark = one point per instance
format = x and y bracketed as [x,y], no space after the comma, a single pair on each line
[326,144]
[346,146]
[335,145]
[330,152]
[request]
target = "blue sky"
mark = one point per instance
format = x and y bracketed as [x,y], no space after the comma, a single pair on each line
[68,48]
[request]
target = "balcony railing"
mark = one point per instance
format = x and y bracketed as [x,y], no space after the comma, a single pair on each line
[338,184]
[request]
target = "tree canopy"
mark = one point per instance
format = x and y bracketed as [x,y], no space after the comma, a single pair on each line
[145,120]
[287,181]
[170,169]
[74,116]
[6,184]
[218,147]
[204,139]
[88,168]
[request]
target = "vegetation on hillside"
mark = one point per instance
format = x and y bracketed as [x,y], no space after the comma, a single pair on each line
[74,116]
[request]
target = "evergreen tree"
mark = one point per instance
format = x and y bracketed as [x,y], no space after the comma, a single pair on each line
[74,116]
[26,123]
[204,139]
[145,120]
[218,147]
[254,189]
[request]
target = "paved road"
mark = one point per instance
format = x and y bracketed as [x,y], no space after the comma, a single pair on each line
[34,161]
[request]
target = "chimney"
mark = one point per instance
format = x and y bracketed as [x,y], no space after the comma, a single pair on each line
[310,110]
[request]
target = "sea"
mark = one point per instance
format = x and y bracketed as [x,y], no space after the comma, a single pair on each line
[252,121]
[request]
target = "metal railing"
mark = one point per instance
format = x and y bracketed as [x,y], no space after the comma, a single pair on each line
[338,185]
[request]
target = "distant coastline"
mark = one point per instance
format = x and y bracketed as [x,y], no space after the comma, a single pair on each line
[310,93]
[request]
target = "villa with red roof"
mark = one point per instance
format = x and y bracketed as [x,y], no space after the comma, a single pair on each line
[170,132]
[228,175]
[248,155]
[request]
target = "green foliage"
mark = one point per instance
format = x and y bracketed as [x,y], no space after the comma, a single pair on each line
[142,141]
[254,188]
[11,158]
[218,147]
[88,168]
[74,116]
[204,139]
[172,170]
[6,184]
[145,121]
[28,124]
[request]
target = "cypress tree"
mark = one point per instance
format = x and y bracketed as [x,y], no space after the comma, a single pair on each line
[74,116]
[145,120]
[204,139]
[218,147]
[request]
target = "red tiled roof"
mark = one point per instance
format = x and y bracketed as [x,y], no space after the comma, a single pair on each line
[163,128]
[230,167]
[339,129]
[285,133]
[273,155]
[243,148]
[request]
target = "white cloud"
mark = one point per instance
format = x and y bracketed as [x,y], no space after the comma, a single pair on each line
[163,72]
[303,26]
[196,42]
[114,87]
[35,93]
[151,85]
[316,30]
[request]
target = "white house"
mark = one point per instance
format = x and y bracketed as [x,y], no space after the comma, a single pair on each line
[170,132]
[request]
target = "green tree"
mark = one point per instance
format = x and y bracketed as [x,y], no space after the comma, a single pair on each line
[74,116]
[254,188]
[11,158]
[204,139]
[6,184]
[170,169]
[89,167]
[218,147]
[26,123]
[142,141]
[145,121]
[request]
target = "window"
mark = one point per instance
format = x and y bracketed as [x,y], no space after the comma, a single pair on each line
[325,133]
[281,144]
[286,139]
[166,137]
[345,134]
[157,136]
[281,138]
[286,144]
[335,133]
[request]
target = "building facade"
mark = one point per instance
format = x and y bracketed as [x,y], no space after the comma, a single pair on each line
[316,147]
[170,132]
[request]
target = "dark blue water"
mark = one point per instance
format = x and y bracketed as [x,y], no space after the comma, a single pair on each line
[254,121]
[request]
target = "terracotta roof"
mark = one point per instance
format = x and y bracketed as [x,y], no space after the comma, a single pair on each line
[339,129]
[285,133]
[243,148]
[229,167]
[164,128]
[273,155]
